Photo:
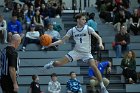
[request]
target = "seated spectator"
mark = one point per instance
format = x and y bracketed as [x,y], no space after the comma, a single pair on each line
[103,9]
[3,28]
[44,12]
[128,64]
[101,66]
[106,12]
[18,11]
[38,3]
[28,16]
[8,5]
[35,86]
[54,86]
[73,85]
[31,37]
[25,9]
[54,11]
[53,33]
[135,22]
[122,40]
[28,2]
[14,27]
[120,19]
[37,20]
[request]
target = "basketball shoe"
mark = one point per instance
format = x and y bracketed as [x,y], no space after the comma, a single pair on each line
[103,90]
[49,65]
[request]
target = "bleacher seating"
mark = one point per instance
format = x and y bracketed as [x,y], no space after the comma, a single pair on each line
[45,79]
[23,89]
[132,88]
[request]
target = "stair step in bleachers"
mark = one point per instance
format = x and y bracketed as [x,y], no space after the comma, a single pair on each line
[110,39]
[119,69]
[45,79]
[44,88]
[33,47]
[42,71]
[42,54]
[135,46]
[117,61]
[40,62]
[132,88]
[112,53]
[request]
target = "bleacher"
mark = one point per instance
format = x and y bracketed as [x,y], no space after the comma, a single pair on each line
[33,60]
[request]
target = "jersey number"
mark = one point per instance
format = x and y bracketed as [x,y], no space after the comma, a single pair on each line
[80,40]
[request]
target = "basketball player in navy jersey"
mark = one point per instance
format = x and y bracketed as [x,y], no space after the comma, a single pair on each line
[81,33]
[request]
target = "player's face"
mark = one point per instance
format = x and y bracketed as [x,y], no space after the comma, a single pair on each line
[82,21]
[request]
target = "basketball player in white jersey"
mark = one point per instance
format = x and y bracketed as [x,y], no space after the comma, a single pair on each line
[82,50]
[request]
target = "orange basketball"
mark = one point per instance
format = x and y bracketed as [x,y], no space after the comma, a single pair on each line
[45,40]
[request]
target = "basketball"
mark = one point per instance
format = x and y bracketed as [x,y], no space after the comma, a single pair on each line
[45,40]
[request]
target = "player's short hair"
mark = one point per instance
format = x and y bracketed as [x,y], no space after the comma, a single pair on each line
[78,16]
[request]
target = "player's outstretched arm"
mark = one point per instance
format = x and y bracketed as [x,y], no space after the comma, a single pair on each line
[61,41]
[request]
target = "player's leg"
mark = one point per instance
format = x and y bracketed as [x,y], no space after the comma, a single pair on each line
[98,75]
[61,62]
[71,56]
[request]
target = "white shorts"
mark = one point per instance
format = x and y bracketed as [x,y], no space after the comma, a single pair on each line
[74,56]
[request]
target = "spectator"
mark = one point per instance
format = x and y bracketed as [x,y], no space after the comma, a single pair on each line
[37,20]
[92,23]
[10,66]
[53,10]
[38,3]
[8,5]
[120,19]
[29,16]
[128,64]
[54,86]
[135,22]
[3,28]
[35,86]
[28,2]
[122,40]
[53,33]
[31,37]
[44,12]
[25,9]
[73,85]
[14,27]
[101,66]
[18,11]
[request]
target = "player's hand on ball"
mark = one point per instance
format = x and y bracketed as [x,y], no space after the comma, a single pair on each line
[101,46]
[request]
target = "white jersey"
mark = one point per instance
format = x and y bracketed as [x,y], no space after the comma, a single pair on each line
[82,37]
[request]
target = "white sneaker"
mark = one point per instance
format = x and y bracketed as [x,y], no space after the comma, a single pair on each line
[103,90]
[49,65]
[5,42]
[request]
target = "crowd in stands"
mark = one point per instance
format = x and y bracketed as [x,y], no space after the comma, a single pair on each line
[31,20]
